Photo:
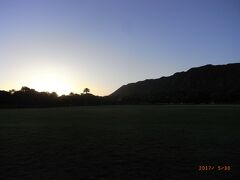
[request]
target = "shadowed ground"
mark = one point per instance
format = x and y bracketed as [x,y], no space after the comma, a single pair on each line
[120,142]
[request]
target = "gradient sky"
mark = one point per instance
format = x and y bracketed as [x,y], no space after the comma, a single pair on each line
[67,45]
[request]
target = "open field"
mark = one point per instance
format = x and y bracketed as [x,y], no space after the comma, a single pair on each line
[120,142]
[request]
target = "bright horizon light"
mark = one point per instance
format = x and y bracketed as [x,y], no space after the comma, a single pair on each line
[52,85]
[52,77]
[50,82]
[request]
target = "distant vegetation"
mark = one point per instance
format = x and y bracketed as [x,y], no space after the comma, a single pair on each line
[206,84]
[27,97]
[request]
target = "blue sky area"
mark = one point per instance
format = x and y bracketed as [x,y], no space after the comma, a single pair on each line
[67,45]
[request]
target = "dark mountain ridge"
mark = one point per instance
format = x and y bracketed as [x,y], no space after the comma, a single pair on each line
[205,84]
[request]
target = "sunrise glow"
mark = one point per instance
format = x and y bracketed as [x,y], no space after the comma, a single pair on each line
[51,83]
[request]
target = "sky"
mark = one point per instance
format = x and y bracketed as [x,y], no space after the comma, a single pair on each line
[68,45]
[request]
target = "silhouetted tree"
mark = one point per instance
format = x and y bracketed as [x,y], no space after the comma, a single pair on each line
[12,91]
[54,94]
[25,89]
[86,90]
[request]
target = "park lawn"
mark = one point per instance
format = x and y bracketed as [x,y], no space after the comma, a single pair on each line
[120,142]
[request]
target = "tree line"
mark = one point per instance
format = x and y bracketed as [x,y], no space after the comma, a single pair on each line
[27,97]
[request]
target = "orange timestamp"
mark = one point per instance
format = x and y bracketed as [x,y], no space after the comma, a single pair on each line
[214,168]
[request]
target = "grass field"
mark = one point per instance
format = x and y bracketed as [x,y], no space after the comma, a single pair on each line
[120,142]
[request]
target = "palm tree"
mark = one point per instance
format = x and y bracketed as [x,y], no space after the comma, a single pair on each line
[86,90]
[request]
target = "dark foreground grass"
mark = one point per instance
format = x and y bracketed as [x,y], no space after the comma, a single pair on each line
[120,142]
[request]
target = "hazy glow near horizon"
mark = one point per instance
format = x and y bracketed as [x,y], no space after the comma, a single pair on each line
[51,82]
[68,45]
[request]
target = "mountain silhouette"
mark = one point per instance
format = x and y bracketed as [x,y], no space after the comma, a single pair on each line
[205,84]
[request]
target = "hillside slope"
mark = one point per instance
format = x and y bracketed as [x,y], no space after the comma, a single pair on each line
[206,84]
